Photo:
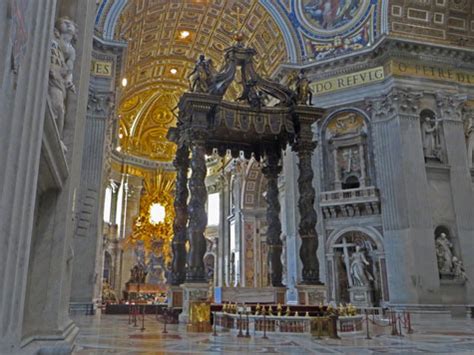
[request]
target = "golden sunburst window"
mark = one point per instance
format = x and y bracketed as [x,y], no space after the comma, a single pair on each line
[157,213]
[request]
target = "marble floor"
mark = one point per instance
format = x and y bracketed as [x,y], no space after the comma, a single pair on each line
[111,334]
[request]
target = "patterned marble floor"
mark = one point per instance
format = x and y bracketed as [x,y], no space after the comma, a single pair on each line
[111,334]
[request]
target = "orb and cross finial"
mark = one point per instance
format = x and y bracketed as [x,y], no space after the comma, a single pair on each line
[238,35]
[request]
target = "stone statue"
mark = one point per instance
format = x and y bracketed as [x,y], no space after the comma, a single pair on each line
[468,124]
[300,84]
[63,56]
[304,95]
[444,254]
[156,268]
[358,269]
[137,274]
[430,137]
[458,269]
[108,295]
[200,77]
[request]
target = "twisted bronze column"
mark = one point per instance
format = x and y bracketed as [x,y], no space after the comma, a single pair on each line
[308,217]
[271,170]
[197,212]
[178,268]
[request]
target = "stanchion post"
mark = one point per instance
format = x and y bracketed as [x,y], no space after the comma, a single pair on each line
[393,318]
[135,311]
[367,325]
[247,333]
[400,326]
[214,320]
[165,321]
[319,322]
[129,314]
[264,326]
[410,329]
[240,335]
[143,319]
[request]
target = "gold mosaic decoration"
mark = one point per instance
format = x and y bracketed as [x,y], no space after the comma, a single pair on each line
[158,188]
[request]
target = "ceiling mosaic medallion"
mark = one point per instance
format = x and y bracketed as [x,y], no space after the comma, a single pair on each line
[331,16]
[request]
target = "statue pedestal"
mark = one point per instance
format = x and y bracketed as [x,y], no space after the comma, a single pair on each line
[175,297]
[312,295]
[361,296]
[192,292]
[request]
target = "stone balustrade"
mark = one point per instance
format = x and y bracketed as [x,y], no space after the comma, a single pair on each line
[319,326]
[350,203]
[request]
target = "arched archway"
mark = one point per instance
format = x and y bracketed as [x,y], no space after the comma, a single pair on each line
[341,246]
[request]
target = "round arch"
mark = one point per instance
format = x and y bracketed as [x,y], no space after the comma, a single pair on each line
[369,231]
[349,109]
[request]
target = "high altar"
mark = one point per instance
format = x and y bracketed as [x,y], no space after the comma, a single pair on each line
[265,119]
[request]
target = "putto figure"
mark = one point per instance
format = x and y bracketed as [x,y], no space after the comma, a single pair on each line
[63,55]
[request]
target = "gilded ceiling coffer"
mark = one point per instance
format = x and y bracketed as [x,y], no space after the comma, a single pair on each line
[207,123]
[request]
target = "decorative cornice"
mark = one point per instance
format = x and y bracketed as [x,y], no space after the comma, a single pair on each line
[386,48]
[140,162]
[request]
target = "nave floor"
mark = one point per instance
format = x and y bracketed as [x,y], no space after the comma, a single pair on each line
[111,334]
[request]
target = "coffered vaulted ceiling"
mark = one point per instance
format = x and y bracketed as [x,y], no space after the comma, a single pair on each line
[160,58]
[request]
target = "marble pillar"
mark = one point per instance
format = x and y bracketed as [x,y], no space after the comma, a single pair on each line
[39,185]
[450,111]
[271,170]
[290,225]
[406,211]
[88,239]
[181,163]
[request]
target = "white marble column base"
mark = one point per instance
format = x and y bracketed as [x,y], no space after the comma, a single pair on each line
[192,292]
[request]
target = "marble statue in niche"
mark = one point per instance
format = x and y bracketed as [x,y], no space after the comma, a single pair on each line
[449,265]
[63,55]
[358,268]
[283,260]
[431,136]
[469,134]
[444,254]
[458,269]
